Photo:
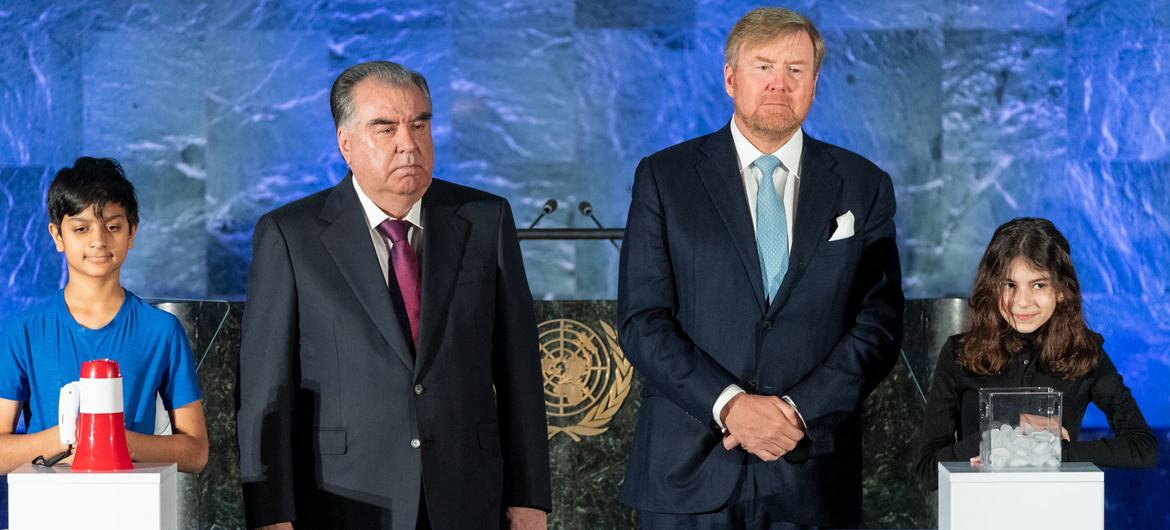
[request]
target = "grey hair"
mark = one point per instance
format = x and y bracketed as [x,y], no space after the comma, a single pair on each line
[341,96]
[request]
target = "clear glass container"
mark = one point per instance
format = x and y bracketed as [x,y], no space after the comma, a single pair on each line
[1020,426]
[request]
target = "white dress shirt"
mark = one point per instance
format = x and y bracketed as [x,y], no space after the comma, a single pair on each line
[789,155]
[382,245]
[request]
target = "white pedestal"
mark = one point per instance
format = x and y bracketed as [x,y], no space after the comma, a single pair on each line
[56,498]
[971,498]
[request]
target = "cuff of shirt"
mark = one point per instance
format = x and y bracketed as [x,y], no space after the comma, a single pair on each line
[788,400]
[731,391]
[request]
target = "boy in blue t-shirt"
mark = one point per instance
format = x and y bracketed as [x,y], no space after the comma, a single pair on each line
[93,216]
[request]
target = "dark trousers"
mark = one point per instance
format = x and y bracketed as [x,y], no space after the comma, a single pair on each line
[335,512]
[746,510]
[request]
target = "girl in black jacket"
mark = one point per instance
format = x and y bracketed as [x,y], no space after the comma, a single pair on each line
[1028,329]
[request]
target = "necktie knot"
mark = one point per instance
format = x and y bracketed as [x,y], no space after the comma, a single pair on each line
[767,165]
[394,229]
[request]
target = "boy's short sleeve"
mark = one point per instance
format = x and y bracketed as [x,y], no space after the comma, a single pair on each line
[13,358]
[181,385]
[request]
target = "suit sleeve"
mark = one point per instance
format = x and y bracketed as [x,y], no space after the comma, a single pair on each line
[940,424]
[518,380]
[649,331]
[867,352]
[1133,443]
[266,379]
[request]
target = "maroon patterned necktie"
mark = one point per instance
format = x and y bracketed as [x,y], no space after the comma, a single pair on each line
[404,264]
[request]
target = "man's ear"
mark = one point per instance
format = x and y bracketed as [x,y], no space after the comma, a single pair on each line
[729,80]
[133,232]
[55,233]
[343,144]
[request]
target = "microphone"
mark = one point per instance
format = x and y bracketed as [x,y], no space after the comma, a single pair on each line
[550,206]
[587,209]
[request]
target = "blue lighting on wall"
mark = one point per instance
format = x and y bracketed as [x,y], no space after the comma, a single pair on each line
[981,111]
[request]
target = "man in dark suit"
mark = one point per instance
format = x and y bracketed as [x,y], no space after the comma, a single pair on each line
[760,299]
[389,370]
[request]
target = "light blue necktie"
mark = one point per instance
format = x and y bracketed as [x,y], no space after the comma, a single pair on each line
[771,226]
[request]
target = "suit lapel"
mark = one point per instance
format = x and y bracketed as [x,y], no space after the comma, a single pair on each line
[820,187]
[445,235]
[347,240]
[720,176]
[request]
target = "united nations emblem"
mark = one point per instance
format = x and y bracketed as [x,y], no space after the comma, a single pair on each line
[586,377]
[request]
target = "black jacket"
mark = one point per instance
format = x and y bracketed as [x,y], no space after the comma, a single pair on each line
[950,430]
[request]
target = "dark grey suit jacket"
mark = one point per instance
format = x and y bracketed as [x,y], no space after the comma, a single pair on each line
[332,397]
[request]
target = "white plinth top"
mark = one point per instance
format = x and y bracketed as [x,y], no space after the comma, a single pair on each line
[63,474]
[1067,472]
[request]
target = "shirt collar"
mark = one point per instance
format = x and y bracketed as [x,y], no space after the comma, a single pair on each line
[789,153]
[375,215]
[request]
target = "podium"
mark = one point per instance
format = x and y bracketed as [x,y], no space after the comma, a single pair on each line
[54,498]
[974,498]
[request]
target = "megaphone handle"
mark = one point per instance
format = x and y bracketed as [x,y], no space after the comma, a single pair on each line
[67,412]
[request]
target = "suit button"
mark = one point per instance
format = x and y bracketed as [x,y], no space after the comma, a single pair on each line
[418,390]
[767,324]
[415,443]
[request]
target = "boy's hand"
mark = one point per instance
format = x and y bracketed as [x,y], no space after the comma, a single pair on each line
[61,448]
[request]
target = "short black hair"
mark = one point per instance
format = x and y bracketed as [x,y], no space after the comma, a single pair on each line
[91,182]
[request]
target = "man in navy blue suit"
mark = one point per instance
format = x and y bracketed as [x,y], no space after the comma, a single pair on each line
[760,299]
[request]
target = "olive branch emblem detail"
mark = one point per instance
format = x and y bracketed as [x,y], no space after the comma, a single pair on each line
[587,377]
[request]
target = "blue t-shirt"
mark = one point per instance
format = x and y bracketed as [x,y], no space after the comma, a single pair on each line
[42,350]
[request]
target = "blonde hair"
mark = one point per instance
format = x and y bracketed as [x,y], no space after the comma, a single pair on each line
[765,23]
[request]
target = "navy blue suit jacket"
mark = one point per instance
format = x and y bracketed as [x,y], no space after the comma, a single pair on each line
[693,320]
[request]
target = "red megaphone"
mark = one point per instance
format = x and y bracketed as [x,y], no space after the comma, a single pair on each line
[101,438]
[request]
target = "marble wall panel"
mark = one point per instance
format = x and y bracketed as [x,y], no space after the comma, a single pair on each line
[268,117]
[262,15]
[169,259]
[514,14]
[40,91]
[366,16]
[145,98]
[721,15]
[158,15]
[863,14]
[516,103]
[879,93]
[229,225]
[965,202]
[1003,95]
[30,267]
[1002,15]
[1118,85]
[1114,14]
[1115,219]
[644,14]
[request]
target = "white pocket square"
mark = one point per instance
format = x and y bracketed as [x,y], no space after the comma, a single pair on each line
[844,227]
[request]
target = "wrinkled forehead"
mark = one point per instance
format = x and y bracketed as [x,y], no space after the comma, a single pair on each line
[372,96]
[790,40]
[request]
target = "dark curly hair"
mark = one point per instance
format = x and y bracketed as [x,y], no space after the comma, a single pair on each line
[1067,347]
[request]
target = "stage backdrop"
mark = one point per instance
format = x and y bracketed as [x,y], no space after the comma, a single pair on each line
[980,110]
